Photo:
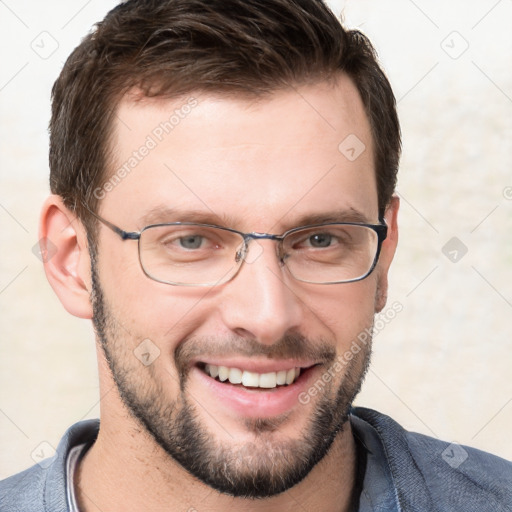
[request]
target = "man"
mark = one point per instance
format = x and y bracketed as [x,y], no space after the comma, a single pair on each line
[222,176]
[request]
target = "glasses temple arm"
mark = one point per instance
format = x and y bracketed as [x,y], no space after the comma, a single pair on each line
[125,235]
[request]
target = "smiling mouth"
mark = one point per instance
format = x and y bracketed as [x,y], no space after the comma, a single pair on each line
[248,379]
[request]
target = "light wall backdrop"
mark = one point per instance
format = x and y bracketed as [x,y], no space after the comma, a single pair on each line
[441,365]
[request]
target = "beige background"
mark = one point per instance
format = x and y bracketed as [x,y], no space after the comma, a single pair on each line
[442,366]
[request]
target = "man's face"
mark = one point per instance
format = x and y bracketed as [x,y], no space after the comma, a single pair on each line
[255,166]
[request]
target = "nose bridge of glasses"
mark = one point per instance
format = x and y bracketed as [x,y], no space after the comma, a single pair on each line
[242,252]
[263,236]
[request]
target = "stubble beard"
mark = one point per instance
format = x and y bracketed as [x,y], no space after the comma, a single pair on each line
[259,469]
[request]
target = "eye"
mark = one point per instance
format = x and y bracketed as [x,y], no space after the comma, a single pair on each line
[320,240]
[191,241]
[188,240]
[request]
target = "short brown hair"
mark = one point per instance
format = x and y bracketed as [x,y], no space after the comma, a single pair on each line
[173,47]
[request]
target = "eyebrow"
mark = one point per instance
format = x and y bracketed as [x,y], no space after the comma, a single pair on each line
[342,215]
[164,214]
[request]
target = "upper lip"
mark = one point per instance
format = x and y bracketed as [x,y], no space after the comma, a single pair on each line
[255,365]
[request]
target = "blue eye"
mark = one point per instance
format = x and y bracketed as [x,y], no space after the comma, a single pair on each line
[191,241]
[320,240]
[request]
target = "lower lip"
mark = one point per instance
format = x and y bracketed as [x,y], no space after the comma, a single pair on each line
[256,403]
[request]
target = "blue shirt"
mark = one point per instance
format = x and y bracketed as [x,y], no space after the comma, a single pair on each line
[404,472]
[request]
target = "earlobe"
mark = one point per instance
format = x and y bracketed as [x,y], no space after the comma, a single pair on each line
[65,256]
[387,253]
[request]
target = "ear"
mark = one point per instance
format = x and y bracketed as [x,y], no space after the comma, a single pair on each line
[65,254]
[387,253]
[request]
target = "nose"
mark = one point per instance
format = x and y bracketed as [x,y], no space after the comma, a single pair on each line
[260,302]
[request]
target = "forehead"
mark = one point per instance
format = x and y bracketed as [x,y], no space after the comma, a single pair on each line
[257,162]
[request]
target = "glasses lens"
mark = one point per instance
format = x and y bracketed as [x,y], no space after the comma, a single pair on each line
[189,254]
[331,253]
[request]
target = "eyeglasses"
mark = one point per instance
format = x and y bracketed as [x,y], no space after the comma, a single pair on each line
[191,254]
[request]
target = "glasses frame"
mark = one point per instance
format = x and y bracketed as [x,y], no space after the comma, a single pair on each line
[381,230]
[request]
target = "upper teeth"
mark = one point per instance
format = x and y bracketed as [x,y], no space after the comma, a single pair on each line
[252,379]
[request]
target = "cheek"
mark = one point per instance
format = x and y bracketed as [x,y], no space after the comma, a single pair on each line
[146,308]
[342,311]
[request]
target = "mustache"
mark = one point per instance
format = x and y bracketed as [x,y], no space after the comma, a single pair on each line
[292,346]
